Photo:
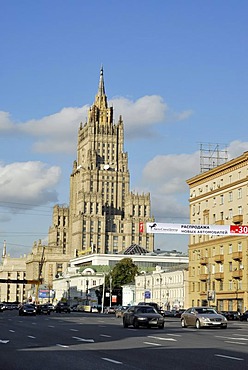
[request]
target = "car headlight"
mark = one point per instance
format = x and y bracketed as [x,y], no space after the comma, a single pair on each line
[142,318]
[206,319]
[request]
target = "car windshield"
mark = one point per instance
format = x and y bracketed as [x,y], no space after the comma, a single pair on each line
[146,310]
[205,310]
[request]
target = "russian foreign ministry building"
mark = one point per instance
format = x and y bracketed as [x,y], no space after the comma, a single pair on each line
[103,216]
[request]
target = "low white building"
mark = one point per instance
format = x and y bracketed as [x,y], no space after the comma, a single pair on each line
[167,288]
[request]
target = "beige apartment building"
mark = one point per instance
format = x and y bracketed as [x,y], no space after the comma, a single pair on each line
[218,265]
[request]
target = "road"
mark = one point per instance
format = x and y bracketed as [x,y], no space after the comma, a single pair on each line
[97,341]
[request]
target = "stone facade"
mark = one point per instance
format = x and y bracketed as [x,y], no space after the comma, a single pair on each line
[219,265]
[103,216]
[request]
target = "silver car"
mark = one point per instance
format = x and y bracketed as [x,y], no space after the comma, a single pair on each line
[200,317]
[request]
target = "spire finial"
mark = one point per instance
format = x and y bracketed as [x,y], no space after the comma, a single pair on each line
[101,89]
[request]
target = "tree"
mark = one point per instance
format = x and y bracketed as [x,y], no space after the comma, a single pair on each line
[123,272]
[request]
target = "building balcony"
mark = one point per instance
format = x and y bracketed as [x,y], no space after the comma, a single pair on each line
[237,256]
[203,277]
[204,261]
[237,274]
[219,222]
[238,219]
[219,275]
[219,258]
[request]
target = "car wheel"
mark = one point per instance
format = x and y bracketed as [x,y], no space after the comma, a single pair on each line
[197,324]
[124,324]
[136,324]
[161,326]
[183,323]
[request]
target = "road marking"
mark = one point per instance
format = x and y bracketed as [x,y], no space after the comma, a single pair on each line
[231,338]
[30,336]
[111,360]
[12,331]
[4,341]
[230,357]
[160,338]
[51,326]
[175,335]
[73,329]
[152,344]
[84,340]
[229,341]
[62,345]
[105,335]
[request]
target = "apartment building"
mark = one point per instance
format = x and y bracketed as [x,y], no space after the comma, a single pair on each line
[218,265]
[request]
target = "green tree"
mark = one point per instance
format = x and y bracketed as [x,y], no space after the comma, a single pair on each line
[123,272]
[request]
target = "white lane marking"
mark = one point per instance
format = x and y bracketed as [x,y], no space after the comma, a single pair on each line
[51,326]
[12,331]
[4,341]
[232,342]
[73,329]
[230,357]
[231,338]
[84,340]
[62,345]
[152,344]
[174,335]
[160,338]
[105,335]
[111,360]
[30,336]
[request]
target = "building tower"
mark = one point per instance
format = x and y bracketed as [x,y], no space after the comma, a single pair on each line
[103,215]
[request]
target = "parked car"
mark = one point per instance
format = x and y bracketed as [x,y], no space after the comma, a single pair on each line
[27,310]
[1,307]
[230,315]
[203,317]
[120,310]
[244,316]
[142,315]
[62,307]
[110,310]
[43,309]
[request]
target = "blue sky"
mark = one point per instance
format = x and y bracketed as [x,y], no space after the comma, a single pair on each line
[175,70]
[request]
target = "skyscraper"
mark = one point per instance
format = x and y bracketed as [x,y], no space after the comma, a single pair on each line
[104,216]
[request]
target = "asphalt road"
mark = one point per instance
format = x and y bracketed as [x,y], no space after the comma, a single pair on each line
[96,341]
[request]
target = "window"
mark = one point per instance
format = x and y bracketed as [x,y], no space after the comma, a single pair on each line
[222,199]
[240,210]
[221,249]
[230,214]
[230,196]
[239,246]
[230,249]
[239,193]
[230,266]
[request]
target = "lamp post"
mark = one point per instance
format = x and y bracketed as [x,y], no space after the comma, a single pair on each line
[68,292]
[110,290]
[103,292]
[87,287]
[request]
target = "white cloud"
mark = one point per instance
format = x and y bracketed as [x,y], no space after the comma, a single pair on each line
[30,183]
[236,148]
[57,132]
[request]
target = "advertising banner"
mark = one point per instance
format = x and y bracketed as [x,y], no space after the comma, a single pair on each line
[195,229]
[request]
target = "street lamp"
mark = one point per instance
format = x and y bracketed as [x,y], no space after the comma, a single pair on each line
[103,292]
[68,291]
[87,287]
[110,290]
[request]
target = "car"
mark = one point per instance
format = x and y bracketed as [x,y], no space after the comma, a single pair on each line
[1,307]
[27,310]
[244,316]
[110,310]
[62,307]
[142,315]
[153,304]
[43,309]
[200,317]
[230,315]
[120,310]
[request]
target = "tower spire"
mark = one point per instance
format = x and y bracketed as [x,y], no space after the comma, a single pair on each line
[101,89]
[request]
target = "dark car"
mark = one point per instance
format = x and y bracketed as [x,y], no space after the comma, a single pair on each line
[244,316]
[142,316]
[43,309]
[153,304]
[230,315]
[62,307]
[27,310]
[1,307]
